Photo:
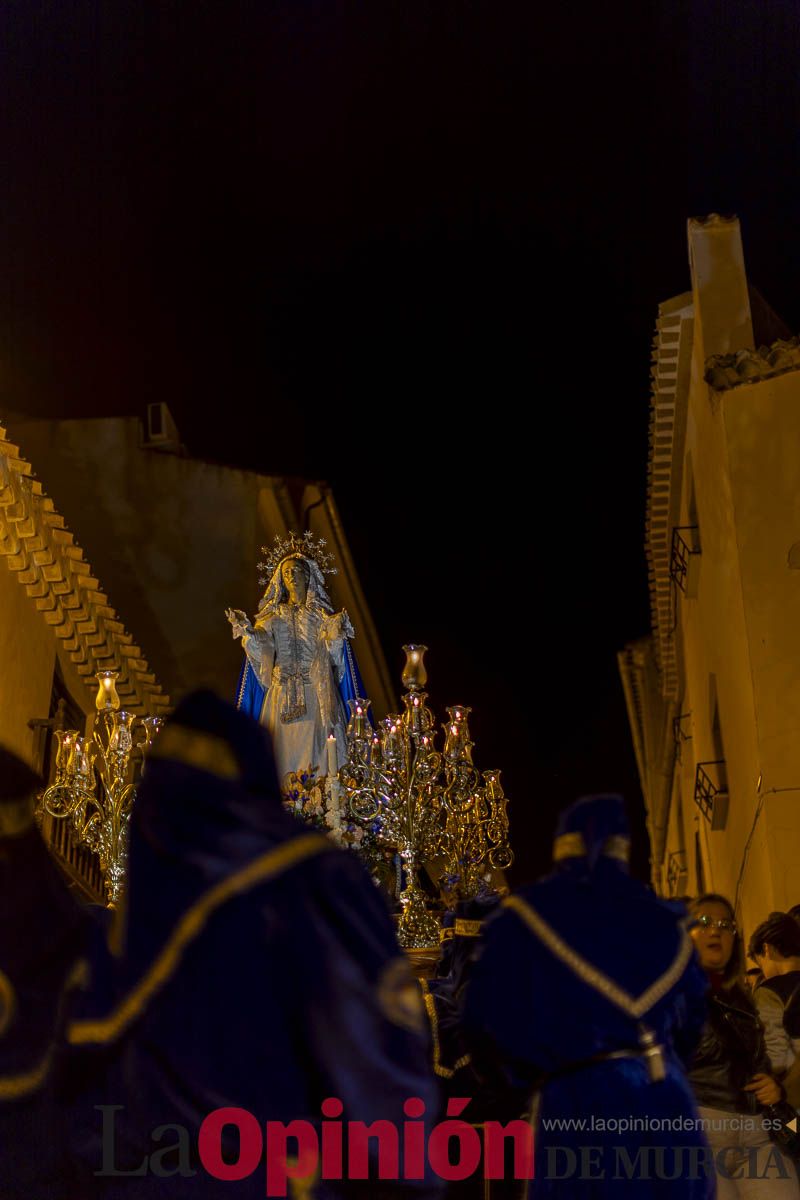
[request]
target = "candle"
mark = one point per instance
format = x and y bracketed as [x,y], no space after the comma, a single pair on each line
[390,747]
[333,762]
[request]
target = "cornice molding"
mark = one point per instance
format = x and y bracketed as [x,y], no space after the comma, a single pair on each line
[49,564]
[668,404]
[726,371]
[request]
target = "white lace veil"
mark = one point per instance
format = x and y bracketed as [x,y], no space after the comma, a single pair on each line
[276,593]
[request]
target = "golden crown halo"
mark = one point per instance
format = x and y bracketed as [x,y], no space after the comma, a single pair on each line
[294,546]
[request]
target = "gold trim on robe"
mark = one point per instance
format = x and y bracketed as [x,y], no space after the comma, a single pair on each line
[634,1006]
[189,927]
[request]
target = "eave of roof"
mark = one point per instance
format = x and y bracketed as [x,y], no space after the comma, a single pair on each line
[49,564]
[666,434]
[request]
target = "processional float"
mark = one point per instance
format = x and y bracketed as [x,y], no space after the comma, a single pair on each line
[432,829]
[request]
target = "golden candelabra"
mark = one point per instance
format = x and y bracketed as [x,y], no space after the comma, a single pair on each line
[476,832]
[429,805]
[94,784]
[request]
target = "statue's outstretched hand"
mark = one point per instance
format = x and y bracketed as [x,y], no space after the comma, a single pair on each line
[338,627]
[240,622]
[345,625]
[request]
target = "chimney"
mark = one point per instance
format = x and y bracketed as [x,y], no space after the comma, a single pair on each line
[719,284]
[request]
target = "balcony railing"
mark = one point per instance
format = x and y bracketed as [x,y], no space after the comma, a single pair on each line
[711,792]
[683,558]
[79,863]
[677,873]
[679,734]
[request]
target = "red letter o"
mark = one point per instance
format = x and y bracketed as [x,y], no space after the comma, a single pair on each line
[251,1143]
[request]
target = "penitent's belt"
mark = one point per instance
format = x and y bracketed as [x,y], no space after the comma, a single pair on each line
[584,1064]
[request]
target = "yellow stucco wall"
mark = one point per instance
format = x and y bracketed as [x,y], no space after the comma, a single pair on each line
[27,658]
[714,640]
[740,639]
[762,421]
[28,653]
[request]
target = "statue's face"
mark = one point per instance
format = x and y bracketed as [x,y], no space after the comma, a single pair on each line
[295,580]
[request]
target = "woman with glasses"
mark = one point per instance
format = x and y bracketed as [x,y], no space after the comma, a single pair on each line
[730,1070]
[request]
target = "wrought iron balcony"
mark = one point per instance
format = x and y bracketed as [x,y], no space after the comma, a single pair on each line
[679,734]
[711,792]
[684,557]
[78,862]
[677,873]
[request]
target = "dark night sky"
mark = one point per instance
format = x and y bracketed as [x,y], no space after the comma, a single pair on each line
[414,248]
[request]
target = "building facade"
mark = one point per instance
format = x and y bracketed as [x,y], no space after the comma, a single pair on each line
[713,693]
[177,540]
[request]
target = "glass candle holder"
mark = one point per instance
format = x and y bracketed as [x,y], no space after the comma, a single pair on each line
[417,718]
[83,758]
[107,699]
[456,733]
[121,738]
[152,727]
[65,753]
[358,725]
[414,675]
[390,738]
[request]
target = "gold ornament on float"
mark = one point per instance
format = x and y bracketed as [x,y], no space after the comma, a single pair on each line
[432,806]
[94,785]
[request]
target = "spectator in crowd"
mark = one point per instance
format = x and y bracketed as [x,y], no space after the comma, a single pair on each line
[585,1001]
[775,946]
[730,1071]
[753,977]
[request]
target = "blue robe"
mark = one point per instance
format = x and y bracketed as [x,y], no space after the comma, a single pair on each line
[43,934]
[533,1025]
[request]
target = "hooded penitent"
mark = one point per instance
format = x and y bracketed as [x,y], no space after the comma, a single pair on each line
[585,1002]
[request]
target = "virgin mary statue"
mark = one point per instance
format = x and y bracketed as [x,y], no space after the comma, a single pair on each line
[299,669]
